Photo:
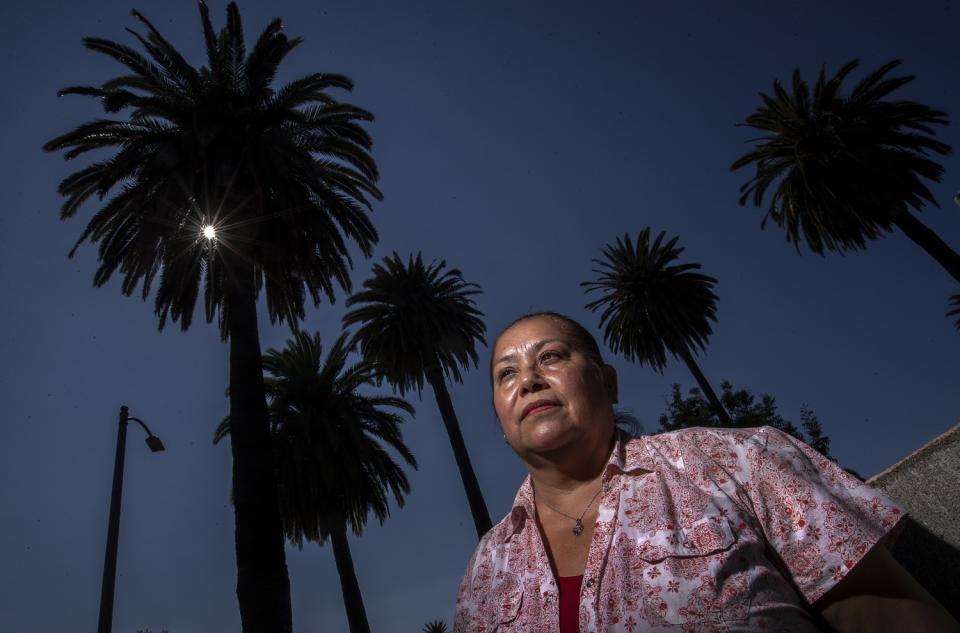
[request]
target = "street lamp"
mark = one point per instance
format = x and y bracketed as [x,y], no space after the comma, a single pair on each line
[113,528]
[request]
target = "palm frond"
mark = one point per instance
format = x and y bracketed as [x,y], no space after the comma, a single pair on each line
[291,189]
[415,318]
[841,168]
[330,440]
[649,304]
[168,56]
[955,312]
[436,626]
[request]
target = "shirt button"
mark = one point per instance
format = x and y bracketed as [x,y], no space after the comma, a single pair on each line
[589,582]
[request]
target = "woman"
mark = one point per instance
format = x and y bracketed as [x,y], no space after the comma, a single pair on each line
[696,530]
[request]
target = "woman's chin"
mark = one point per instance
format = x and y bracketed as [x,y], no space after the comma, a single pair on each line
[547,436]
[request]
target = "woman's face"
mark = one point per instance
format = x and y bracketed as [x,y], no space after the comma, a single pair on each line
[548,394]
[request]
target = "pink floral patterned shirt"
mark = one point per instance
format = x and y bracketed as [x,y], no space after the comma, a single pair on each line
[698,530]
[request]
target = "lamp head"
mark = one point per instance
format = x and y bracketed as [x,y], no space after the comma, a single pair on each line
[154,443]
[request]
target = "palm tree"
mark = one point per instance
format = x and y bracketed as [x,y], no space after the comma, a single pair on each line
[847,168]
[223,182]
[652,306]
[418,323]
[328,439]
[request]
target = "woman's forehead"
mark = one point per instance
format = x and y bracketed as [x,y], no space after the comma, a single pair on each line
[530,332]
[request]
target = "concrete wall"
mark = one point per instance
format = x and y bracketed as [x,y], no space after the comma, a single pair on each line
[927,484]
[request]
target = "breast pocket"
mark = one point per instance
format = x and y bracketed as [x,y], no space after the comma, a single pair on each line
[695,574]
[508,598]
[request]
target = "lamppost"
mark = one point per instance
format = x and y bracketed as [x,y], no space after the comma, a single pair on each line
[113,529]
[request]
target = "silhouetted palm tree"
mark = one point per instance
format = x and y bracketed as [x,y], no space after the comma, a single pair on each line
[847,168]
[222,182]
[652,305]
[436,626]
[418,323]
[955,312]
[328,438]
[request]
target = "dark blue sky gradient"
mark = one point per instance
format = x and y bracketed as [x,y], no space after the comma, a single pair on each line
[514,140]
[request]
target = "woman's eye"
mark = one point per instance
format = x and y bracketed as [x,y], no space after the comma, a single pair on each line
[549,356]
[504,374]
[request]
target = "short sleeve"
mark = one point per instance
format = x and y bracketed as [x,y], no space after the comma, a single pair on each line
[819,519]
[466,605]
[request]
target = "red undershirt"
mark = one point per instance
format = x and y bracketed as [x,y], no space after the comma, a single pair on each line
[570,603]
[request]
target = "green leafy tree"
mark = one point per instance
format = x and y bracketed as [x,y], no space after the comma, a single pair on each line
[219,181]
[816,438]
[746,411]
[846,168]
[652,305]
[330,445]
[418,323]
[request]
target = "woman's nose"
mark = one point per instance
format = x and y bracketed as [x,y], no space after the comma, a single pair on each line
[531,380]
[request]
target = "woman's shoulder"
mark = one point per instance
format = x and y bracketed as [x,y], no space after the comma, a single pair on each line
[700,436]
[697,437]
[708,447]
[692,433]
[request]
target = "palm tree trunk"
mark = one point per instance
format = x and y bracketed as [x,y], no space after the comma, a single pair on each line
[263,586]
[705,387]
[922,236]
[481,518]
[352,598]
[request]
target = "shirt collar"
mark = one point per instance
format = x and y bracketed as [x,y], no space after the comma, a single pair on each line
[629,455]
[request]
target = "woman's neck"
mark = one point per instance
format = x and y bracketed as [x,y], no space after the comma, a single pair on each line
[567,475]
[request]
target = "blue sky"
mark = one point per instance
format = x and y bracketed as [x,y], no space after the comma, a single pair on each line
[514,141]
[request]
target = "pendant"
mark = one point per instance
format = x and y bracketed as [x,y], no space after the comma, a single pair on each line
[578,528]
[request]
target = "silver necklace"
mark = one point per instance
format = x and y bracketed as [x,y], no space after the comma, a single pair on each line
[578,521]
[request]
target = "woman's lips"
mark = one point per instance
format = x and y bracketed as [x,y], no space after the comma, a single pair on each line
[537,407]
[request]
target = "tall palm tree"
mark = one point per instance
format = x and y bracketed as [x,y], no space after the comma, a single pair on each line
[652,305]
[223,182]
[418,323]
[328,439]
[847,168]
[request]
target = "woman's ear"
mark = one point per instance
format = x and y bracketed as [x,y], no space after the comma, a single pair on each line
[610,382]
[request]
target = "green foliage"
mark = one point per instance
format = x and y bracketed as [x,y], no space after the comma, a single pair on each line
[415,318]
[745,409]
[329,439]
[843,166]
[815,435]
[651,304]
[437,626]
[283,174]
